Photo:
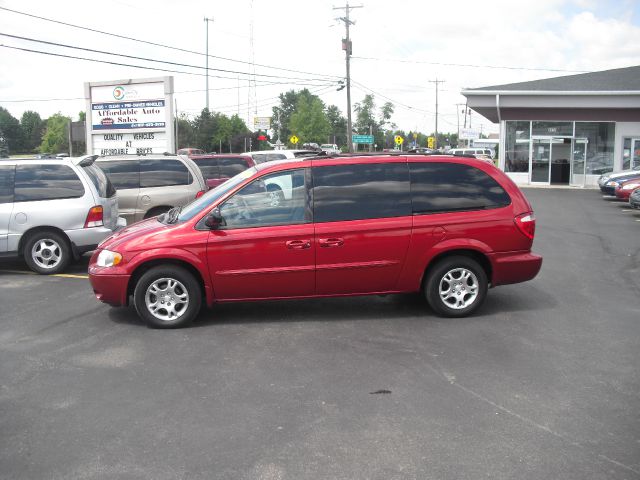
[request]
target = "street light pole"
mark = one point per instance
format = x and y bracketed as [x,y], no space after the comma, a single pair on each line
[206,21]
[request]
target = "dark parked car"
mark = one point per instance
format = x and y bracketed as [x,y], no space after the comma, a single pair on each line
[447,226]
[634,198]
[217,169]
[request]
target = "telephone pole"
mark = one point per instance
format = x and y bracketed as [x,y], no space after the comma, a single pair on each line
[206,21]
[346,46]
[436,81]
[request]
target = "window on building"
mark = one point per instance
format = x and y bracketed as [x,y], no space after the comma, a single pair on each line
[600,141]
[355,192]
[517,143]
[46,182]
[450,187]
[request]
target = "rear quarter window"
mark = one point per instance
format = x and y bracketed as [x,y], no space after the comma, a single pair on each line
[449,187]
[100,181]
[124,174]
[7,173]
[163,173]
[230,167]
[46,182]
[208,167]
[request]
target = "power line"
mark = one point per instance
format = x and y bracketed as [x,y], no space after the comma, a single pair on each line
[124,37]
[133,57]
[471,65]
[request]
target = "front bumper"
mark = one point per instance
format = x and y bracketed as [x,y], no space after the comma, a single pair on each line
[608,190]
[109,284]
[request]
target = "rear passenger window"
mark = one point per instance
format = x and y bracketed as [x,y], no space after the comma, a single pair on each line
[46,182]
[103,186]
[355,192]
[163,173]
[208,167]
[7,173]
[123,174]
[450,187]
[230,167]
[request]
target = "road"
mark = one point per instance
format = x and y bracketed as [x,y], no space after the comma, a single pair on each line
[542,383]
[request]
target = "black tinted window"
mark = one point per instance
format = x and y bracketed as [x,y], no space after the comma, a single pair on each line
[123,174]
[100,181]
[162,173]
[353,192]
[46,182]
[449,187]
[6,183]
[230,167]
[208,167]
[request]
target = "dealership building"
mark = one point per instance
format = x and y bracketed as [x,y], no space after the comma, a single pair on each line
[565,130]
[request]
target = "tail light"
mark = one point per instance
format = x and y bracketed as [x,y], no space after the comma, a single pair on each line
[200,193]
[94,217]
[526,223]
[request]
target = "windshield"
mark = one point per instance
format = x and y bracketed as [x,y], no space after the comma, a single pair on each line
[191,210]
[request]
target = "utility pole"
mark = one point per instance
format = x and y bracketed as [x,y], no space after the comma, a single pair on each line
[436,81]
[458,105]
[206,21]
[346,46]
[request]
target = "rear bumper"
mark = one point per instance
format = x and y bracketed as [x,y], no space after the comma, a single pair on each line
[514,267]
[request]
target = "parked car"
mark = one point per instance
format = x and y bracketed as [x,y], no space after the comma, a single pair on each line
[624,189]
[150,185]
[261,156]
[190,151]
[330,148]
[447,226]
[422,150]
[608,186]
[54,210]
[634,198]
[607,177]
[471,151]
[217,169]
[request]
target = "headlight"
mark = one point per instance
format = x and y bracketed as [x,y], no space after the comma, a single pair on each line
[108,259]
[612,183]
[631,186]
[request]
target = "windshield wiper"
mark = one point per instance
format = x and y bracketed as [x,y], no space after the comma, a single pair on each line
[172,215]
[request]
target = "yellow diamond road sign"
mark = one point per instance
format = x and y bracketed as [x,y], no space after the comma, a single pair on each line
[399,140]
[293,139]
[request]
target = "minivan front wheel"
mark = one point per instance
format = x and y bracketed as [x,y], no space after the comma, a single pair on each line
[456,286]
[47,252]
[167,296]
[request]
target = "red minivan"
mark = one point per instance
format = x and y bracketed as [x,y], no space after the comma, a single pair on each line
[447,226]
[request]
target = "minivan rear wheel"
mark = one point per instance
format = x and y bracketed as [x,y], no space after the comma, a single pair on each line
[47,252]
[456,286]
[167,296]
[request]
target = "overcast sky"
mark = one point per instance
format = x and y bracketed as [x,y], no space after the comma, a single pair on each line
[398,49]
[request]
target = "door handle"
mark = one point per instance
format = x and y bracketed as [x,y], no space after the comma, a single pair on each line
[298,244]
[331,242]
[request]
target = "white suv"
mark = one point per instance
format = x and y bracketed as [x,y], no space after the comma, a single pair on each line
[54,210]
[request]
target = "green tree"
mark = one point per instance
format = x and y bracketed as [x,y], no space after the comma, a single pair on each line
[238,131]
[309,121]
[186,132]
[282,113]
[205,126]
[32,128]
[82,116]
[55,138]
[367,123]
[11,131]
[338,125]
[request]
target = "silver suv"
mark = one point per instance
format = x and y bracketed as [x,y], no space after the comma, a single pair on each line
[54,210]
[150,185]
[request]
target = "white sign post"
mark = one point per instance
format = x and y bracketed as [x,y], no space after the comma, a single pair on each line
[130,117]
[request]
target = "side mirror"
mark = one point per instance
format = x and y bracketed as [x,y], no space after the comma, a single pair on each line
[214,219]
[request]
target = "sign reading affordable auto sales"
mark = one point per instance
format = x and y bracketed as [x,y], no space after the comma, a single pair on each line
[130,116]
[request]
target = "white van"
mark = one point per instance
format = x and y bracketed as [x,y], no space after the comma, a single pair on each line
[471,151]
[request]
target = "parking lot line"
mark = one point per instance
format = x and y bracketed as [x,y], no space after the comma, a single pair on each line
[64,275]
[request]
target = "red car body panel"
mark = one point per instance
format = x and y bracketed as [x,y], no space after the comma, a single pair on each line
[624,194]
[382,255]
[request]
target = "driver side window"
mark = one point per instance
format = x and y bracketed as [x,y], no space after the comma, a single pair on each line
[277,199]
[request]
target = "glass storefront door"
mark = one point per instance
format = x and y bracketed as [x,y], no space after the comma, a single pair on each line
[631,153]
[540,160]
[578,161]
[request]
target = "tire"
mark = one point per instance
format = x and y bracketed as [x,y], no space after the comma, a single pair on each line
[154,212]
[175,286]
[277,197]
[47,252]
[456,286]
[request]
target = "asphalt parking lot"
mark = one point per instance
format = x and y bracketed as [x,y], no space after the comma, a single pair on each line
[542,383]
